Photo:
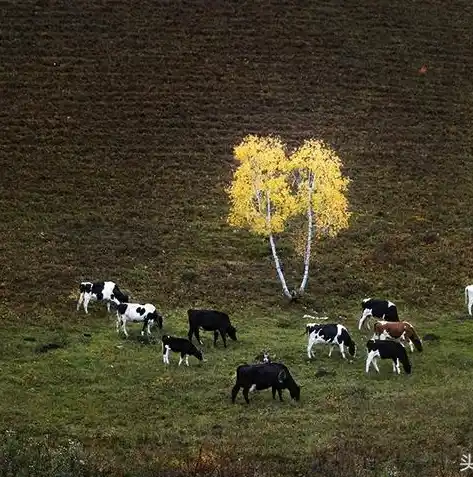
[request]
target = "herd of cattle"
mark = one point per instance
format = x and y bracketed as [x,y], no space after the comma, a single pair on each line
[386,343]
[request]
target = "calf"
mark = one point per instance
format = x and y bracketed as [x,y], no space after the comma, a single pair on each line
[387,349]
[332,334]
[210,320]
[138,313]
[382,309]
[180,345]
[263,376]
[469,297]
[100,291]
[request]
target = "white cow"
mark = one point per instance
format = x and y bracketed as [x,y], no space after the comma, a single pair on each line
[135,312]
[469,297]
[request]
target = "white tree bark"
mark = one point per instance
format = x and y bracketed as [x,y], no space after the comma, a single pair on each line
[310,234]
[273,249]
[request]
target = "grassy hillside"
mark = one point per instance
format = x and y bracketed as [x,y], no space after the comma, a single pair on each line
[118,125]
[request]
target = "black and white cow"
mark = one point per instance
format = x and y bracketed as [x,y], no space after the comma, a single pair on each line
[469,297]
[387,349]
[180,345]
[138,313]
[332,334]
[210,320]
[100,291]
[263,376]
[382,309]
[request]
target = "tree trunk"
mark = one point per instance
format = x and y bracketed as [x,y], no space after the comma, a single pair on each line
[273,249]
[278,268]
[310,234]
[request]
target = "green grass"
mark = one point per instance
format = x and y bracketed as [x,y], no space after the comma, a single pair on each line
[108,392]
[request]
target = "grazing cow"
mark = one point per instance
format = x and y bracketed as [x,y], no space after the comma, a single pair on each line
[210,320]
[387,349]
[401,330]
[263,376]
[180,345]
[469,297]
[100,291]
[138,313]
[332,334]
[382,309]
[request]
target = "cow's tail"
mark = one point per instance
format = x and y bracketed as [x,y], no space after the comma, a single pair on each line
[404,359]
[347,341]
[413,336]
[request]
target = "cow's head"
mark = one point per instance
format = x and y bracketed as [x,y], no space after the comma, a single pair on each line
[295,392]
[199,354]
[366,312]
[159,320]
[231,331]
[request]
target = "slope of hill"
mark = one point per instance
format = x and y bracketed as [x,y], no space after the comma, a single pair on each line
[118,125]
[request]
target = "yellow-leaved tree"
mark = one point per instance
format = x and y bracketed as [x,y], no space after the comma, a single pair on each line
[270,188]
[320,193]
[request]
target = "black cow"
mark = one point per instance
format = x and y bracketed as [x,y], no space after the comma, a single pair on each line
[263,376]
[210,320]
[387,349]
[100,291]
[382,309]
[180,345]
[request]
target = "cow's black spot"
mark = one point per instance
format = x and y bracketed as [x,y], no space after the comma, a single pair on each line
[430,337]
[48,347]
[323,372]
[140,310]
[99,296]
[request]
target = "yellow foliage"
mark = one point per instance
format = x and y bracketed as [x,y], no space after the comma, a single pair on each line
[266,173]
[260,178]
[315,164]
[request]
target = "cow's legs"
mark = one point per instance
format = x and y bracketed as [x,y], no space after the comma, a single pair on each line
[253,388]
[371,358]
[108,306]
[235,390]
[280,394]
[245,394]
[375,364]
[119,322]
[124,327]
[187,360]
[331,349]
[224,338]
[79,302]
[470,303]
[166,354]
[215,337]
[309,347]
[181,359]
[197,335]
[87,297]
[342,350]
